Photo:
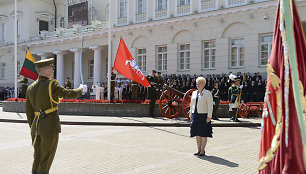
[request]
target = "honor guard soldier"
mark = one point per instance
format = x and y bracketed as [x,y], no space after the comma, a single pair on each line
[234,96]
[68,83]
[159,84]
[42,114]
[24,87]
[152,97]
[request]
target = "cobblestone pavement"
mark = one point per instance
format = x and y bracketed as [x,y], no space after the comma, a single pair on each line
[119,149]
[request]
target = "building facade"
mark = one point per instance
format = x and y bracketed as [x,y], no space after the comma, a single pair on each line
[171,36]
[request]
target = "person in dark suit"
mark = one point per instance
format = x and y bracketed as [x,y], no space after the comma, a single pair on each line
[68,83]
[152,97]
[216,98]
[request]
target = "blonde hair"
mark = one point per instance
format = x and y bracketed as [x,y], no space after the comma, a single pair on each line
[201,80]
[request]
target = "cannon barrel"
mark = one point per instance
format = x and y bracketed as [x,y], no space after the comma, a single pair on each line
[174,91]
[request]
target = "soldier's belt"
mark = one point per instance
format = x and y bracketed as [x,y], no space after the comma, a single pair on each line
[47,111]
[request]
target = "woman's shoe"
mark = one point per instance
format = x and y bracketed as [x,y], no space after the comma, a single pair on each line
[198,153]
[202,154]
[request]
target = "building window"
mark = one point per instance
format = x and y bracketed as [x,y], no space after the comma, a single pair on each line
[237,53]
[123,13]
[265,48]
[161,4]
[62,22]
[3,33]
[183,2]
[209,54]
[162,58]
[91,69]
[141,6]
[184,57]
[2,77]
[18,29]
[161,9]
[141,11]
[122,8]
[142,59]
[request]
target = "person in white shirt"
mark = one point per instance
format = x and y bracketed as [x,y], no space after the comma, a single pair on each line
[201,108]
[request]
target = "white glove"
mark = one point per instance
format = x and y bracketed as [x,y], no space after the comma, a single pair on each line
[241,86]
[84,88]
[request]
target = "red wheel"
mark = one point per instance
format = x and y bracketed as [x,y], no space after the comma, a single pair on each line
[242,110]
[186,103]
[170,104]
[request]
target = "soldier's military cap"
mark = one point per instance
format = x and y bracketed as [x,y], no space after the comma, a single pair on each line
[153,71]
[24,80]
[44,62]
[158,72]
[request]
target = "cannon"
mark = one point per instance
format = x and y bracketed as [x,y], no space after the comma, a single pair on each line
[251,109]
[172,102]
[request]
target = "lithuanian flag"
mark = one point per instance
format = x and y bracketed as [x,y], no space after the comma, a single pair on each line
[28,69]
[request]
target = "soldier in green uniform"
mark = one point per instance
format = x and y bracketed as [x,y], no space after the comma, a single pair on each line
[68,83]
[234,97]
[152,97]
[42,114]
[159,84]
[24,87]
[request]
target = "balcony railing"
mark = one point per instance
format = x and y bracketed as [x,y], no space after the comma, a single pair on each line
[76,29]
[161,13]
[234,3]
[208,5]
[122,21]
[140,18]
[183,10]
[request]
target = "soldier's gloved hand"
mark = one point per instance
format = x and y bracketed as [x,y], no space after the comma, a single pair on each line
[241,86]
[84,88]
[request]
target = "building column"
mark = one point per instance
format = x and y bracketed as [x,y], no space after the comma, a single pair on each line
[60,67]
[77,73]
[97,64]
[43,55]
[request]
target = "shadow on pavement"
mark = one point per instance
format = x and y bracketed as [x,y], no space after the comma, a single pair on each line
[218,160]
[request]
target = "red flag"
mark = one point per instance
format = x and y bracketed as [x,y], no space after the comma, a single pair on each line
[281,145]
[127,66]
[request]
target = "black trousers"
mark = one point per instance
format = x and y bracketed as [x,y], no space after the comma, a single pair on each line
[214,114]
[151,109]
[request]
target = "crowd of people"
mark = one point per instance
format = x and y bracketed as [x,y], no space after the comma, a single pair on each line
[253,86]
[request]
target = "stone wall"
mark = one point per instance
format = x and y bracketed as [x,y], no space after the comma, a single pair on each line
[105,109]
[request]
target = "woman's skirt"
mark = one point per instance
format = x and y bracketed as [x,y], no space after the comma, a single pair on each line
[199,127]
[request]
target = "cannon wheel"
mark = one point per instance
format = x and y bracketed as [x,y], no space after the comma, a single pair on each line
[186,103]
[243,110]
[170,105]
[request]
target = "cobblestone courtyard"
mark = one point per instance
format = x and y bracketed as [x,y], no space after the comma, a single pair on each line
[117,149]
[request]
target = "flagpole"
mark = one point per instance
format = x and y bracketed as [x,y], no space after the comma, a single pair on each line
[15,63]
[109,51]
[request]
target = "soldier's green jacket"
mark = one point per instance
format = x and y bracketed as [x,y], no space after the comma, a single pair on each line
[51,123]
[233,92]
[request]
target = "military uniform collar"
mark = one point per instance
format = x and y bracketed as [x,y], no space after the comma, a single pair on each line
[43,78]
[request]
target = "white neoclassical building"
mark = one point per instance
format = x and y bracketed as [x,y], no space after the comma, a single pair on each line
[171,36]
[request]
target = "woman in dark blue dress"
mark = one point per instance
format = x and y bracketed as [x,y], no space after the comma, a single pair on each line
[201,108]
